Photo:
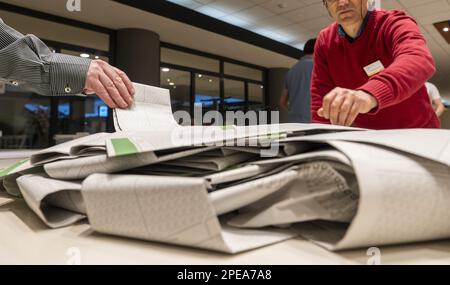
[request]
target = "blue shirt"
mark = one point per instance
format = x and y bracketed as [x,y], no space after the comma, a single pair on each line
[298,81]
[343,34]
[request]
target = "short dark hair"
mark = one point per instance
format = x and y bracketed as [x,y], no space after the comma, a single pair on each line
[309,46]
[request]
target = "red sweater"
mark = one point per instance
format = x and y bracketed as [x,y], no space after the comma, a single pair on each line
[395,39]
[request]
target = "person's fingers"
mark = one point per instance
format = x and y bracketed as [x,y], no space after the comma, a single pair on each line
[126,80]
[327,101]
[345,111]
[120,85]
[103,94]
[320,112]
[354,112]
[335,108]
[112,91]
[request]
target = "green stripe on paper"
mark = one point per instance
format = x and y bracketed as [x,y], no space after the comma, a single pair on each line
[273,136]
[227,127]
[124,146]
[9,169]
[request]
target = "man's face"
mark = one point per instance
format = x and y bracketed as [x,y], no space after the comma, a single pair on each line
[347,11]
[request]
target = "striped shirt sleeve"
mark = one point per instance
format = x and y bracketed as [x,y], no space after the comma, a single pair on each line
[27,62]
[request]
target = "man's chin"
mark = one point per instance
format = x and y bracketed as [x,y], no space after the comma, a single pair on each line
[347,18]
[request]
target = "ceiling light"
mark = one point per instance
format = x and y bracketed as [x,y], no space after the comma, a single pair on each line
[171,84]
[446,29]
[236,21]
[85,55]
[210,11]
[210,80]
[97,57]
[200,76]
[165,69]
[168,79]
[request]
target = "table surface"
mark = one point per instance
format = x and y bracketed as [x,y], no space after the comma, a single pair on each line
[24,239]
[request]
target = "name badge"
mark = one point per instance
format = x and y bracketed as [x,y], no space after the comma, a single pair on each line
[374,68]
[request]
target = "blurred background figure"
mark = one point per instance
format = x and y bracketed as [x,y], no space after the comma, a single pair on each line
[435,98]
[296,96]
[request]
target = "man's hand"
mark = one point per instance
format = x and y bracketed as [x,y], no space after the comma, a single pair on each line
[110,84]
[439,107]
[284,99]
[342,106]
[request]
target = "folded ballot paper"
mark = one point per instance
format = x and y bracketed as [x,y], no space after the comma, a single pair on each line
[237,188]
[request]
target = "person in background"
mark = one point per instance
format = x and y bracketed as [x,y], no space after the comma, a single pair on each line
[296,96]
[27,62]
[370,69]
[435,98]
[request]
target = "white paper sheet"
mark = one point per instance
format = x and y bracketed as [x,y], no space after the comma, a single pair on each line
[432,144]
[58,203]
[403,198]
[168,210]
[316,192]
[151,110]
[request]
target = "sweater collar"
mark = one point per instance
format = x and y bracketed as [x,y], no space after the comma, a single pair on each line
[343,34]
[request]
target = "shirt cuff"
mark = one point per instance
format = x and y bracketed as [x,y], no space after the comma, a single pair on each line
[381,92]
[67,74]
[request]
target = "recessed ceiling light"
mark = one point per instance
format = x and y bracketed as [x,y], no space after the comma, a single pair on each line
[97,57]
[165,69]
[444,29]
[168,79]
[200,76]
[171,84]
[85,55]
[210,80]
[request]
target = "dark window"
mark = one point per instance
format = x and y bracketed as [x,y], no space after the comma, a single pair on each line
[216,83]
[24,119]
[234,99]
[243,71]
[207,93]
[179,84]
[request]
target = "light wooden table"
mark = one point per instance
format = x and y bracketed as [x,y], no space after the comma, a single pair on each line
[24,239]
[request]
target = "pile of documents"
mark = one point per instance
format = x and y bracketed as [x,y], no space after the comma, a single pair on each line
[236,188]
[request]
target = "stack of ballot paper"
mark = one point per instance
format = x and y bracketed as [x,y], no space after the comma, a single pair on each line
[233,189]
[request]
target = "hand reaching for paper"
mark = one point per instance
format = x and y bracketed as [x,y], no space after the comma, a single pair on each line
[111,84]
[341,106]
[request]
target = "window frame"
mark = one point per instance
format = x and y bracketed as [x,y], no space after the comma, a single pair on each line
[221,75]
